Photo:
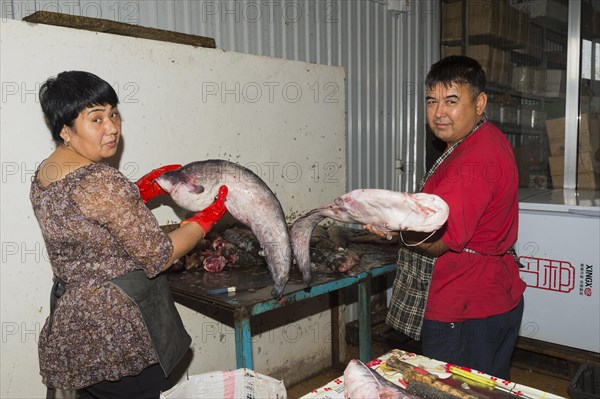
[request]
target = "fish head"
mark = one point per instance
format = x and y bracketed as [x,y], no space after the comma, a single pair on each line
[361,206]
[344,209]
[360,381]
[187,189]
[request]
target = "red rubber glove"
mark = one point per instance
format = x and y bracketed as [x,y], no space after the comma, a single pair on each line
[148,186]
[207,217]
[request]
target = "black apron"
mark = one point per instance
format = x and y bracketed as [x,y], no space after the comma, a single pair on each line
[153,298]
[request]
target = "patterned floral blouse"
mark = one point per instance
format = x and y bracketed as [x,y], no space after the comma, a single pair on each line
[96,227]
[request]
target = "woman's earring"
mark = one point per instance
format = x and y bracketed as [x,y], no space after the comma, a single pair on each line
[67,143]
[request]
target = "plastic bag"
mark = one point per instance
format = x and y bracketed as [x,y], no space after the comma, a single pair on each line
[240,383]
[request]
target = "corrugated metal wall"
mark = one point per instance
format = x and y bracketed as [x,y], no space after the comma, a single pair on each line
[385,47]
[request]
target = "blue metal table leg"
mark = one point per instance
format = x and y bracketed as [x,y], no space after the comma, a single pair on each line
[364,320]
[243,342]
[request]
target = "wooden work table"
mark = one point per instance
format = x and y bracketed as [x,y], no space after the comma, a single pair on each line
[253,297]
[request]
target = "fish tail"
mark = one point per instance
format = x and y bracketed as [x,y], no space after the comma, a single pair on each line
[300,234]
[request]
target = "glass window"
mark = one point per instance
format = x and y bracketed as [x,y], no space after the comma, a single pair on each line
[522,46]
[588,164]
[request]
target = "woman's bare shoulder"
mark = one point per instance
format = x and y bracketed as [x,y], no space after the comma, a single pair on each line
[56,167]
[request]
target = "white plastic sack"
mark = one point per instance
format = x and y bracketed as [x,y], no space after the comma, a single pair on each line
[240,383]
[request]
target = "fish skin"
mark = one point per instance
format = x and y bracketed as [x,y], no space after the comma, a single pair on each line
[244,239]
[362,382]
[389,210]
[249,200]
[384,209]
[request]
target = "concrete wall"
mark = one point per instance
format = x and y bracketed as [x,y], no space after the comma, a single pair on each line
[179,104]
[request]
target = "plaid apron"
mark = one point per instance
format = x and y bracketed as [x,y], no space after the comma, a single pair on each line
[413,275]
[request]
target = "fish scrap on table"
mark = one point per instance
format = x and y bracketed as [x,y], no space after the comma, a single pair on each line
[347,250]
[249,200]
[217,250]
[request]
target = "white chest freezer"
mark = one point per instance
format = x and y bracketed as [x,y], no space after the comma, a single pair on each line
[559,245]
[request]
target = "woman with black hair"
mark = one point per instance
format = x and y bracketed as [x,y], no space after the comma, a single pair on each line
[113,330]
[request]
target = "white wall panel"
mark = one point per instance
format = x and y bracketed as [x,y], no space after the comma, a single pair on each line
[385,53]
[296,146]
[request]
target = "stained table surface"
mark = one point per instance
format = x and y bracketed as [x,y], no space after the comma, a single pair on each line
[253,282]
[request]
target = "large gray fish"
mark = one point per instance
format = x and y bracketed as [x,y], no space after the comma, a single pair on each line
[362,382]
[250,201]
[383,209]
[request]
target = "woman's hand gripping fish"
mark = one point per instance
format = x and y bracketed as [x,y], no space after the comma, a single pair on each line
[362,382]
[250,201]
[383,210]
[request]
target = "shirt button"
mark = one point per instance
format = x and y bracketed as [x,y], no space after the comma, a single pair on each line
[451,325]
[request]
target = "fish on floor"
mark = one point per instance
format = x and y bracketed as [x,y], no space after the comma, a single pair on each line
[250,201]
[384,210]
[362,382]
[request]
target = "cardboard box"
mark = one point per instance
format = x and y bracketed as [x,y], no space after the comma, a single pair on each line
[534,43]
[585,181]
[498,19]
[495,62]
[451,50]
[490,58]
[555,128]
[451,21]
[586,162]
[487,18]
[523,28]
[484,17]
[557,145]
[588,139]
[510,24]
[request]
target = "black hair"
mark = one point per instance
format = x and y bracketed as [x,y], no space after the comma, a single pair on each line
[62,98]
[457,69]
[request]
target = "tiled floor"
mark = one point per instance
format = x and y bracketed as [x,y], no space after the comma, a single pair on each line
[542,382]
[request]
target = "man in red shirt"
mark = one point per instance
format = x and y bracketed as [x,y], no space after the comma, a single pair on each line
[460,291]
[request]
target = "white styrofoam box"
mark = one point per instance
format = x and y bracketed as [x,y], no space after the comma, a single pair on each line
[240,383]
